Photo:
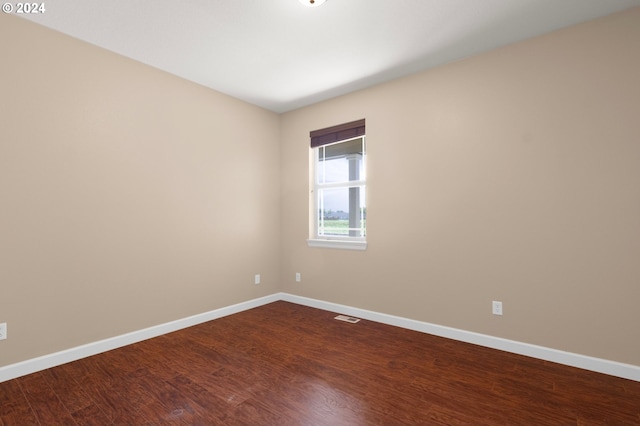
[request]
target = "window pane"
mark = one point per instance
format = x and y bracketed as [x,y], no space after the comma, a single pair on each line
[340,190]
[341,212]
[341,162]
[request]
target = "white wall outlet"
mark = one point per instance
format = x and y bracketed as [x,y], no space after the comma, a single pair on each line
[3,331]
[256,279]
[496,307]
[298,278]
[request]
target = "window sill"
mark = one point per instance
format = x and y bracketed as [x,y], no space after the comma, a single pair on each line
[338,244]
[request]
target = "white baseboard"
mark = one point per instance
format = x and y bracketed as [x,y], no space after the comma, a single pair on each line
[626,371]
[612,368]
[47,361]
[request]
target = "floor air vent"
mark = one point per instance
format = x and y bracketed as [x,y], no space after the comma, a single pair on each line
[345,318]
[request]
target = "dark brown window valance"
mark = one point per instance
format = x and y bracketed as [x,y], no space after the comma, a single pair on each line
[337,133]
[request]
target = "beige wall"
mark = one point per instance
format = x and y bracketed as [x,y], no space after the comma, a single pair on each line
[129,197]
[511,176]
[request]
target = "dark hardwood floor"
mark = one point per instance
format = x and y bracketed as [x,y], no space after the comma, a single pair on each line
[286,364]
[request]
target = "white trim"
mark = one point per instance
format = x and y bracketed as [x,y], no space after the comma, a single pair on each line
[58,358]
[338,244]
[342,184]
[613,368]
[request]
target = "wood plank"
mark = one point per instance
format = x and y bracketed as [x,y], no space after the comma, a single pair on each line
[289,364]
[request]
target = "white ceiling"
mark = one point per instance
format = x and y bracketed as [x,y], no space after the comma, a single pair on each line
[281,55]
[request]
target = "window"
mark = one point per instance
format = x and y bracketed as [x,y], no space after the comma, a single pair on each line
[339,191]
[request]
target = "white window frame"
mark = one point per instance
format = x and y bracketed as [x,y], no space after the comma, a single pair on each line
[336,241]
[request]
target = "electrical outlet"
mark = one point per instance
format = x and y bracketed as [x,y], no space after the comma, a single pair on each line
[496,307]
[256,279]
[298,277]
[3,331]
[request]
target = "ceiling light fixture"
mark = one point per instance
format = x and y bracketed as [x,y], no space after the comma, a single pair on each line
[312,3]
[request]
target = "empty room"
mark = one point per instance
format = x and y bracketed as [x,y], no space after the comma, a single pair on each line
[310,212]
